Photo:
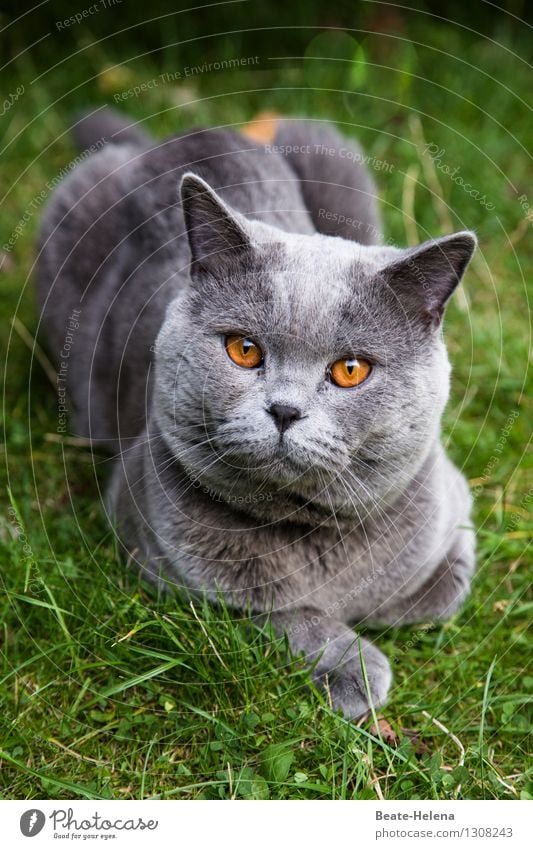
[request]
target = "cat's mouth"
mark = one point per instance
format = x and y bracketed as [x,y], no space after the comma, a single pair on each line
[303,461]
[287,462]
[283,461]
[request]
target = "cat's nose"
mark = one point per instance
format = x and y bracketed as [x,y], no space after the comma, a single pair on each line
[284,415]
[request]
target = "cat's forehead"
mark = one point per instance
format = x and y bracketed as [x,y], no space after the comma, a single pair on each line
[318,288]
[327,262]
[319,274]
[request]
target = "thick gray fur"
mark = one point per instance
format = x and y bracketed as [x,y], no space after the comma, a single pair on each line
[354,514]
[103,125]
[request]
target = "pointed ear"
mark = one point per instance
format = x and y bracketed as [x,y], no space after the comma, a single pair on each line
[217,235]
[425,276]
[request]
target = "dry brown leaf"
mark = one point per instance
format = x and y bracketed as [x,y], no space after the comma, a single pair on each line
[262,128]
[385,731]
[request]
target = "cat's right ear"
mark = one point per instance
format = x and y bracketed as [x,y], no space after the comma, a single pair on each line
[217,234]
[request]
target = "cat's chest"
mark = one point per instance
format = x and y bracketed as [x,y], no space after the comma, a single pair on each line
[349,574]
[344,573]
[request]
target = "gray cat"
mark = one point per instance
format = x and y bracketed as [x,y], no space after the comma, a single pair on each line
[270,378]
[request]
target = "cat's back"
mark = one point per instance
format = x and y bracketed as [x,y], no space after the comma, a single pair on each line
[81,227]
[256,182]
[125,200]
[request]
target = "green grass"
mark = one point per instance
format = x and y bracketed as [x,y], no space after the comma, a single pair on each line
[109,692]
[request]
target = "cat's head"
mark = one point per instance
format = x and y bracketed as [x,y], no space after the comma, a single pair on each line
[299,375]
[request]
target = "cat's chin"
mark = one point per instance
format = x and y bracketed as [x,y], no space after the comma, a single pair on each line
[285,506]
[286,495]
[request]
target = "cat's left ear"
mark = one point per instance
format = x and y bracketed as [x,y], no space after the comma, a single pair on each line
[218,236]
[425,276]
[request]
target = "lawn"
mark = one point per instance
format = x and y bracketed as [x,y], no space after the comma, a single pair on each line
[109,692]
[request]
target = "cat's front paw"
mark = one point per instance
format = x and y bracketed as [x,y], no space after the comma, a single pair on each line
[337,656]
[346,685]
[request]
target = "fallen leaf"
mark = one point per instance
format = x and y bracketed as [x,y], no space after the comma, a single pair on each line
[262,128]
[385,731]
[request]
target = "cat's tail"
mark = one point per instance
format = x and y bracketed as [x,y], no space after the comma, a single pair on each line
[92,130]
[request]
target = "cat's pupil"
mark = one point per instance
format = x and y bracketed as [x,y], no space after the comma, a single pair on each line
[350,365]
[246,345]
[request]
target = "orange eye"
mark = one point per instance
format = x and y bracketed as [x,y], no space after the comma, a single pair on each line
[244,351]
[348,373]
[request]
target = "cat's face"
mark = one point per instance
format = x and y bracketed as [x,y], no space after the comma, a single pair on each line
[302,374]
